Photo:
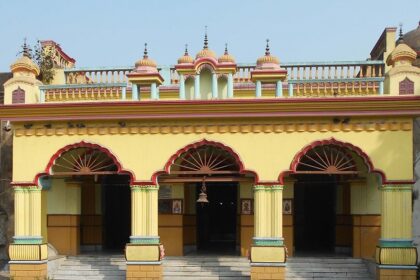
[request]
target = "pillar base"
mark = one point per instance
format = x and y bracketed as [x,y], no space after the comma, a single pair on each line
[144,271]
[396,272]
[144,261]
[28,271]
[268,272]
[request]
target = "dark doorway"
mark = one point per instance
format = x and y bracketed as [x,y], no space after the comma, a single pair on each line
[314,214]
[216,220]
[116,197]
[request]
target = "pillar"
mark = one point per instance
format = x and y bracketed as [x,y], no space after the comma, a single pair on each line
[279,89]
[230,86]
[42,96]
[153,92]
[268,254]
[135,92]
[396,257]
[28,253]
[124,93]
[381,88]
[144,252]
[181,87]
[290,90]
[258,92]
[197,94]
[214,93]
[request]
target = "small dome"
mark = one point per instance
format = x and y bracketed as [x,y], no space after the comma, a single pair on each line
[145,61]
[25,63]
[401,52]
[186,58]
[206,53]
[226,57]
[267,58]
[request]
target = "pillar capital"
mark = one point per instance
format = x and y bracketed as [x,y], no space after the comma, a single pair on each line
[135,188]
[397,187]
[268,187]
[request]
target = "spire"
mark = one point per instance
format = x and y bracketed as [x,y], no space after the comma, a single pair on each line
[226,49]
[267,48]
[206,41]
[26,50]
[400,36]
[145,51]
[186,50]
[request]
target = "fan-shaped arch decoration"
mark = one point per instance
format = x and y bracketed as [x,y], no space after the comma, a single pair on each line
[205,160]
[327,159]
[84,161]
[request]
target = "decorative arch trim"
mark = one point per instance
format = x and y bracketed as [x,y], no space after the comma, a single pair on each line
[83,144]
[203,142]
[332,141]
[206,62]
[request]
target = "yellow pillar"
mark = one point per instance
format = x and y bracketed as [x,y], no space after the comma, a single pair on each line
[268,255]
[143,253]
[395,255]
[28,254]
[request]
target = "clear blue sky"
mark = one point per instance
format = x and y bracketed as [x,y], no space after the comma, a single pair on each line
[112,33]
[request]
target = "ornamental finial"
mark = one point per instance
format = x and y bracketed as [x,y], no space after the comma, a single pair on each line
[186,50]
[26,50]
[226,49]
[145,51]
[206,41]
[400,36]
[267,48]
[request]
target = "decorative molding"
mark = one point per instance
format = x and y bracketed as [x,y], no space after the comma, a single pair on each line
[144,239]
[397,188]
[28,252]
[279,127]
[396,256]
[268,188]
[371,107]
[144,188]
[267,241]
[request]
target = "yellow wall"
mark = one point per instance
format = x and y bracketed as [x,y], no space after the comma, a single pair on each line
[266,153]
[63,198]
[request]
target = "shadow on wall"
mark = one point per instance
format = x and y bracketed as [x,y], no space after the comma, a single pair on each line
[416,192]
[6,193]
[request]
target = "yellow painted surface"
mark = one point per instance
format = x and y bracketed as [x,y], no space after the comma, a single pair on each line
[142,252]
[265,153]
[28,252]
[63,198]
[396,256]
[396,212]
[268,254]
[365,196]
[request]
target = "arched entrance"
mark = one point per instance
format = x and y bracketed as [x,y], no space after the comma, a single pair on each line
[329,178]
[88,200]
[209,181]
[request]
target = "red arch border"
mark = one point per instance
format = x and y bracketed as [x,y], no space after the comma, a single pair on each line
[332,141]
[83,144]
[203,142]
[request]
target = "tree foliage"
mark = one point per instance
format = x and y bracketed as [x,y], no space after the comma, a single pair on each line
[44,57]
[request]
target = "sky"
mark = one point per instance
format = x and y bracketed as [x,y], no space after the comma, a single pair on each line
[113,32]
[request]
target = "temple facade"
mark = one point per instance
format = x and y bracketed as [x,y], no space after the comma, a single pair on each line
[267,160]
